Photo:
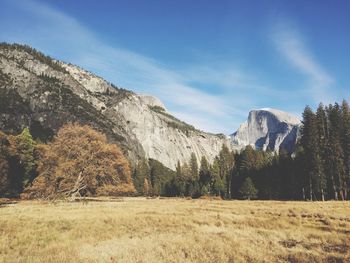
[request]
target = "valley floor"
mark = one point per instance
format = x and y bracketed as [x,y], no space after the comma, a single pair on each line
[175,230]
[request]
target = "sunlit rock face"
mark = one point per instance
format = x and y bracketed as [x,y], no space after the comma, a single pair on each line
[39,92]
[267,129]
[49,93]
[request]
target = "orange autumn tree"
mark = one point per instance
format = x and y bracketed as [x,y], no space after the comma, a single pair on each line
[80,162]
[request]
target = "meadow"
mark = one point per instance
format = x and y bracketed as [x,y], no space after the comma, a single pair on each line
[174,230]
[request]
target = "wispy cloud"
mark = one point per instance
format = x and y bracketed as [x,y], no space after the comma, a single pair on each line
[220,108]
[290,43]
[55,31]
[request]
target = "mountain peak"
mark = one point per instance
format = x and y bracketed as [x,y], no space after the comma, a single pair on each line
[151,101]
[267,129]
[281,115]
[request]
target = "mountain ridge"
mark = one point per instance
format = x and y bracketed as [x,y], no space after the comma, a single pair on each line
[52,92]
[57,92]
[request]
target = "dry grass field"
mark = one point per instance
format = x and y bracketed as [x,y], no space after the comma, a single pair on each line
[175,230]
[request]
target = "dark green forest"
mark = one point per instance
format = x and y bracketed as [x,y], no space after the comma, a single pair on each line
[319,169]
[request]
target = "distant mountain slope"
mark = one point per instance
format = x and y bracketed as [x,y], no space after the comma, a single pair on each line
[267,129]
[42,93]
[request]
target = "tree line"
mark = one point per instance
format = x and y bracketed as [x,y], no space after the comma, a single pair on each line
[79,161]
[325,152]
[318,169]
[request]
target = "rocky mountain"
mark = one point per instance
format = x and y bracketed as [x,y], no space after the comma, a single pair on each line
[267,129]
[43,94]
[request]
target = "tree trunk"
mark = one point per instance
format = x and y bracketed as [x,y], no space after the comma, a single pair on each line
[310,189]
[322,195]
[345,187]
[341,194]
[229,187]
[334,188]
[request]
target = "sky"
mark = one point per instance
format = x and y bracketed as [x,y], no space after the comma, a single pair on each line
[210,62]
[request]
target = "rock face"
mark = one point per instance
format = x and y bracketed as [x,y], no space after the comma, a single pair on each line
[43,94]
[267,129]
[165,138]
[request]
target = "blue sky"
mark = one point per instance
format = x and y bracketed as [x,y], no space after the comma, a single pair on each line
[210,62]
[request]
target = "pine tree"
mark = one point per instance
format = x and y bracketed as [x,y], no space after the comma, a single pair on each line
[312,153]
[193,167]
[345,140]
[5,173]
[218,187]
[204,176]
[146,188]
[141,172]
[335,152]
[321,147]
[248,189]
[193,186]
[24,145]
[247,159]
[180,181]
[226,162]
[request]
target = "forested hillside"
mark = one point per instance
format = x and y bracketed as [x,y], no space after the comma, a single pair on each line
[79,162]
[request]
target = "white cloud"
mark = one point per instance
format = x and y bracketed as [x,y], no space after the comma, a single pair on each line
[291,45]
[56,31]
[220,108]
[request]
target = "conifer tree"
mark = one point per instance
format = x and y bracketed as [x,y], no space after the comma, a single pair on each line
[193,186]
[248,189]
[5,169]
[146,188]
[345,138]
[193,167]
[24,145]
[141,172]
[204,176]
[247,159]
[180,182]
[321,148]
[336,154]
[218,187]
[226,164]
[312,153]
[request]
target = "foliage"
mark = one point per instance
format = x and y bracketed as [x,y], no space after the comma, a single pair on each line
[140,174]
[80,162]
[17,162]
[24,146]
[325,142]
[5,155]
[248,190]
[205,177]
[207,180]
[146,188]
[160,176]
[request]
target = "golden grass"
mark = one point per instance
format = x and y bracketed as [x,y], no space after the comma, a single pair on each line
[175,230]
